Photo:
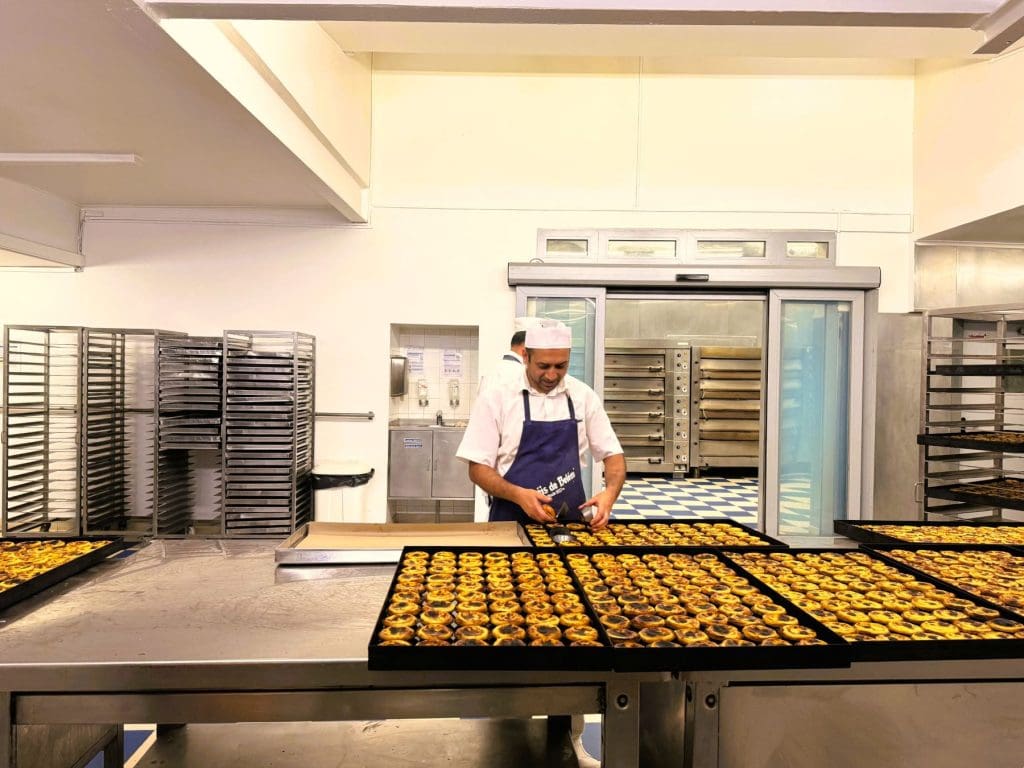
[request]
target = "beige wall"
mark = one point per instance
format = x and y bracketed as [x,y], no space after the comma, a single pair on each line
[969,147]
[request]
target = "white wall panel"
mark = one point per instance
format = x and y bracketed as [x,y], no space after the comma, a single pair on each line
[538,134]
[893,253]
[969,143]
[777,143]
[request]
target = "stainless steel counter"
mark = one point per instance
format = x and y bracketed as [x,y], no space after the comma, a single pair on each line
[211,632]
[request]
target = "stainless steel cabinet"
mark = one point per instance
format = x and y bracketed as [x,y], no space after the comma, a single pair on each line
[422,464]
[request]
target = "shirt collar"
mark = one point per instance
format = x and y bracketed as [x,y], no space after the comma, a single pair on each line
[556,391]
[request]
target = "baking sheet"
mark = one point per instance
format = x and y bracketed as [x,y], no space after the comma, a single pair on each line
[834,653]
[56,575]
[421,657]
[1007,441]
[339,543]
[856,530]
[925,650]
[766,541]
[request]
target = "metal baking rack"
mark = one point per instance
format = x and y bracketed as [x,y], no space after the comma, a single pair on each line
[971,434]
[42,450]
[189,374]
[118,433]
[80,418]
[267,431]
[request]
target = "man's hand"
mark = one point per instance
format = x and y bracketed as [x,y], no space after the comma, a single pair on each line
[602,503]
[532,502]
[535,505]
[614,477]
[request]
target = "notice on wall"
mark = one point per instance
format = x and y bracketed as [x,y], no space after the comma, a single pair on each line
[451,363]
[415,357]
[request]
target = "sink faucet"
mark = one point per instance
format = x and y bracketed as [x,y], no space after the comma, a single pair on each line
[440,418]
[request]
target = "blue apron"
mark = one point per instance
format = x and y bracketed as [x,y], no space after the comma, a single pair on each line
[548,460]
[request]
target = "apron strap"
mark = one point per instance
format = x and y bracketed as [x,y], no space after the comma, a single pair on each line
[526,405]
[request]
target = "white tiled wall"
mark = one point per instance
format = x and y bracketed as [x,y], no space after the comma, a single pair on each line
[435,339]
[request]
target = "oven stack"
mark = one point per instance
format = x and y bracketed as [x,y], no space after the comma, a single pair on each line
[726,423]
[646,395]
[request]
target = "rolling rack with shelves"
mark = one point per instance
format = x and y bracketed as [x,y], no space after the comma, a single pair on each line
[971,436]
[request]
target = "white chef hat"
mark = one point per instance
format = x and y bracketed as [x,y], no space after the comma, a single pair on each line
[525,323]
[549,334]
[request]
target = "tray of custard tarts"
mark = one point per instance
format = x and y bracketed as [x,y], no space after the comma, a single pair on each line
[693,609]
[885,610]
[477,608]
[30,565]
[992,573]
[637,532]
[1007,533]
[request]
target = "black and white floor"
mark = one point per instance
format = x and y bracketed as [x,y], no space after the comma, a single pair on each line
[660,497]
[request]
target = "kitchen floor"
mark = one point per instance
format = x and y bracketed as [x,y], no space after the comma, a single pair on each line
[660,498]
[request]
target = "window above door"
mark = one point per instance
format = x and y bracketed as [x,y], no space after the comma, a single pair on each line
[810,248]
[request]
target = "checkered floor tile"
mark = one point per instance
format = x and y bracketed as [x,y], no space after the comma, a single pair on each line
[663,498]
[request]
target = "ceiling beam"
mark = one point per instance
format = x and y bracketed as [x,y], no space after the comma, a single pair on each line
[46,253]
[1003,27]
[850,13]
[228,55]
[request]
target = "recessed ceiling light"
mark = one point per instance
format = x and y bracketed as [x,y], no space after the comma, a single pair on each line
[69,157]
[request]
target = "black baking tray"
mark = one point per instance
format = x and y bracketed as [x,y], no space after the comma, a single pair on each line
[977,495]
[970,440]
[769,542]
[979,369]
[56,575]
[884,551]
[835,653]
[484,657]
[854,529]
[929,650]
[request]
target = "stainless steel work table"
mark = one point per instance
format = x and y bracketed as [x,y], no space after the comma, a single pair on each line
[209,631]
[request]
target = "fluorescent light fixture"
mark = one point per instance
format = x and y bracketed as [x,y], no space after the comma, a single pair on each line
[67,158]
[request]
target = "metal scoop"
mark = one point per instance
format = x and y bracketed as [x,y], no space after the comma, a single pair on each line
[560,534]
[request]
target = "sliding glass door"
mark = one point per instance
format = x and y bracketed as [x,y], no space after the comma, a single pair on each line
[814,411]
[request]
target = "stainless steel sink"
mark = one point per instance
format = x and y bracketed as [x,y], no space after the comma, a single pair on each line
[409,423]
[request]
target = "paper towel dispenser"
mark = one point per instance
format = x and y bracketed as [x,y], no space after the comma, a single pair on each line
[399,368]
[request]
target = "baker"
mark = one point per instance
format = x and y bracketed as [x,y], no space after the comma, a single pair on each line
[528,438]
[510,367]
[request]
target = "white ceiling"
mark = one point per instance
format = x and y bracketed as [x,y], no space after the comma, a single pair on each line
[101,76]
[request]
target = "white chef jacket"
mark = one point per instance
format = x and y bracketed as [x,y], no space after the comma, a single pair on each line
[496,421]
[505,372]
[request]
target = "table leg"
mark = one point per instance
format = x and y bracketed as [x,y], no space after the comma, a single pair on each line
[113,752]
[6,730]
[700,746]
[620,734]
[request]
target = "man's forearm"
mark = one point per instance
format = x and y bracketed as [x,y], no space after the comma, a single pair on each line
[614,474]
[494,484]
